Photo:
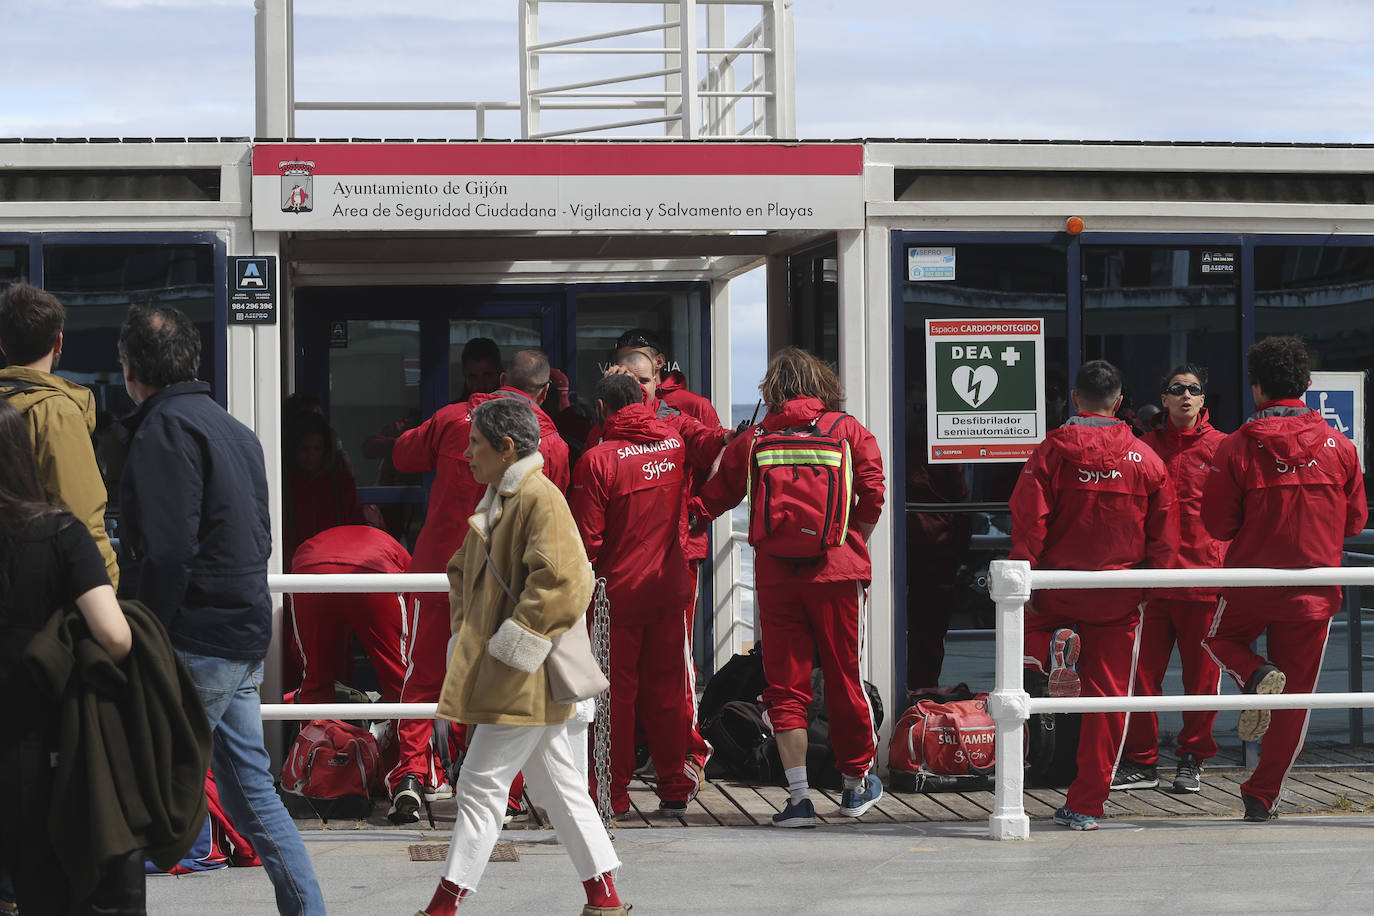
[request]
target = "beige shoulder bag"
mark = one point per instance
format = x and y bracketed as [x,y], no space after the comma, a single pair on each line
[573,673]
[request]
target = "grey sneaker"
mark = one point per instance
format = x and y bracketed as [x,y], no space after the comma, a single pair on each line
[1188,776]
[1266,680]
[1132,775]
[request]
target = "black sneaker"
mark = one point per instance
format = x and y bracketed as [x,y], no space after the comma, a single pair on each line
[1266,680]
[1188,776]
[673,808]
[1132,775]
[405,801]
[1256,812]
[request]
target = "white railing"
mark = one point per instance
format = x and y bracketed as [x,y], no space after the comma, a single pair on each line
[1011,582]
[686,90]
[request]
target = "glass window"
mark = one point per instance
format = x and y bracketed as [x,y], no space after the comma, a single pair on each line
[1325,295]
[97,283]
[510,334]
[674,315]
[947,552]
[14,264]
[1148,309]
[814,302]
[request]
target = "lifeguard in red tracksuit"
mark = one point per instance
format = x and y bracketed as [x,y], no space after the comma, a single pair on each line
[814,606]
[627,499]
[437,445]
[688,412]
[323,621]
[1182,436]
[1285,490]
[1091,497]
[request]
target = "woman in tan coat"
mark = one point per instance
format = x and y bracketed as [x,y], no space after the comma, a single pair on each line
[522,543]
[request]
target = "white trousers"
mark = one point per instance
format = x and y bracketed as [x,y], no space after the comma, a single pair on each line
[545,754]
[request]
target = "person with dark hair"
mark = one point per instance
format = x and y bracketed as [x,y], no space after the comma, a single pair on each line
[518,583]
[195,541]
[1185,440]
[816,605]
[1285,491]
[628,497]
[439,444]
[480,364]
[61,414]
[696,544]
[320,491]
[1091,497]
[47,560]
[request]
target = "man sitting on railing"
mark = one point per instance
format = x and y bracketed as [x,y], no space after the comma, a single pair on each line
[1091,497]
[1285,490]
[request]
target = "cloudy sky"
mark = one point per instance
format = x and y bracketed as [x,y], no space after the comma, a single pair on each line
[1295,70]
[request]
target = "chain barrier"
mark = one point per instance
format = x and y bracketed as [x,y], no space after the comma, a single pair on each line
[601,728]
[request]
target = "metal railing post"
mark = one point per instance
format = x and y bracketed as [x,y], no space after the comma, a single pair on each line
[1351,602]
[1010,587]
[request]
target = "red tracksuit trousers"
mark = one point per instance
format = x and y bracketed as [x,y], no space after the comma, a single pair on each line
[647,679]
[1296,646]
[323,624]
[1166,621]
[699,750]
[1106,665]
[797,621]
[426,637]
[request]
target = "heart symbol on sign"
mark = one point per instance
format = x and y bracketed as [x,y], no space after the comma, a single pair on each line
[974,385]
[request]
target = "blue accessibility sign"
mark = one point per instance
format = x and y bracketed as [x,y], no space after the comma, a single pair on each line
[1339,398]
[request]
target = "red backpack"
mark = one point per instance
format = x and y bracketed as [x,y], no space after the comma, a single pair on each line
[950,738]
[801,486]
[332,760]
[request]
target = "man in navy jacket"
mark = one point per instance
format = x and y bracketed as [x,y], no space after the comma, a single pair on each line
[195,540]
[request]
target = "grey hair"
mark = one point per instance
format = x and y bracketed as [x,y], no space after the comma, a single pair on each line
[500,418]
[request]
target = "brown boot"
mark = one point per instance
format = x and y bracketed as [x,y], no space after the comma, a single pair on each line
[622,910]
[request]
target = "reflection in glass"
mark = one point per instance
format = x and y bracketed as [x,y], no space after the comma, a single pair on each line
[1148,309]
[947,553]
[510,334]
[674,315]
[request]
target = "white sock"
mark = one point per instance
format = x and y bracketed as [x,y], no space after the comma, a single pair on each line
[796,784]
[854,783]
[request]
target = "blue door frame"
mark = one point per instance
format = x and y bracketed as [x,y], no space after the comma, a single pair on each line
[902,239]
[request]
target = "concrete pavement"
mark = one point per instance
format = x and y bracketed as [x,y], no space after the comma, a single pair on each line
[1146,866]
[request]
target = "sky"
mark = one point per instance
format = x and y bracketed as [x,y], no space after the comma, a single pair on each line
[1275,70]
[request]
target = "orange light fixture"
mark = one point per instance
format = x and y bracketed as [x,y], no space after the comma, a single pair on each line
[1073,225]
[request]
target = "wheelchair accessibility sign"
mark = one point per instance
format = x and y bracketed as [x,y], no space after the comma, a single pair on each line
[1339,397]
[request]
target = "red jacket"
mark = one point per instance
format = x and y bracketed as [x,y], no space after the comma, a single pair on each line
[368,549]
[704,443]
[1091,497]
[627,498]
[1187,454]
[437,445]
[672,390]
[847,562]
[1286,491]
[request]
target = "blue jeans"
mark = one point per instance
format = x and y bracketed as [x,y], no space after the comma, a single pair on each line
[229,690]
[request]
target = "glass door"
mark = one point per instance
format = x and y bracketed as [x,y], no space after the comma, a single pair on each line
[378,361]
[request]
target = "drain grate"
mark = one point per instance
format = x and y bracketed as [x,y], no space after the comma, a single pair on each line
[503,851]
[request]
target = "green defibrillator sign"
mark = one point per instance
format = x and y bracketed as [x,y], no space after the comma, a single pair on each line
[986,382]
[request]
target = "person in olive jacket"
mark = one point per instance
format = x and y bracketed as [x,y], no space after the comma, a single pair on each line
[520,580]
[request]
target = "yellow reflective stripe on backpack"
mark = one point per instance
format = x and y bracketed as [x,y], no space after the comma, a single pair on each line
[793,455]
[848,488]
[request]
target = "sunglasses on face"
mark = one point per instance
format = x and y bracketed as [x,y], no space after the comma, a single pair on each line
[1177,388]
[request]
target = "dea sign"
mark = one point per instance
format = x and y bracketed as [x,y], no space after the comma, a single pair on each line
[985,385]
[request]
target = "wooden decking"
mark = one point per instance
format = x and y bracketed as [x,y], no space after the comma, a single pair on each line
[1329,779]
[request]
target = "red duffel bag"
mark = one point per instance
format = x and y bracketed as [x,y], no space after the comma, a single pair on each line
[954,738]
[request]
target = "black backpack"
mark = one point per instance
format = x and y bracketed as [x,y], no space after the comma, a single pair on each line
[741,678]
[744,747]
[1051,740]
